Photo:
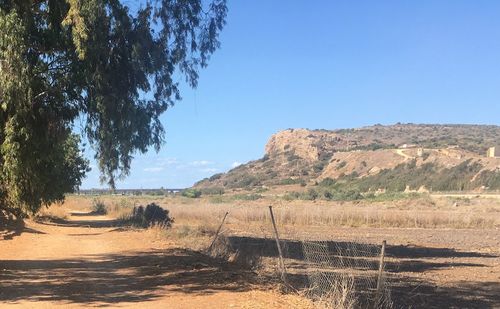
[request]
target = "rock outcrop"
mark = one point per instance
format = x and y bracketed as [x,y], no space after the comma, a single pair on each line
[308,156]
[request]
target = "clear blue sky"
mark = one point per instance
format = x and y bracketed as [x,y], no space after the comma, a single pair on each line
[327,64]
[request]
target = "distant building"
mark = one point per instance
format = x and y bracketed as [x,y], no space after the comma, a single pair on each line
[420,152]
[493,152]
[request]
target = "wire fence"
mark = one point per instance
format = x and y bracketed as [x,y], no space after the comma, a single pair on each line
[349,274]
[339,274]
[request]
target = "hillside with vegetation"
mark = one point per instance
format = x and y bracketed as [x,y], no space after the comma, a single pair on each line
[368,160]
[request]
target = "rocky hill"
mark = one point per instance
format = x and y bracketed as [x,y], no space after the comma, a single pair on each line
[374,158]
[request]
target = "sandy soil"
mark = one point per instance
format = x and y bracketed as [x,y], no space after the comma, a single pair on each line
[426,268]
[435,268]
[85,261]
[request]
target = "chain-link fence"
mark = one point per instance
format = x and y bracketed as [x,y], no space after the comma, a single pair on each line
[339,274]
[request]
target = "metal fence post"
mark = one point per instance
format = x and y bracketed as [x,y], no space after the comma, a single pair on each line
[282,262]
[217,233]
[380,273]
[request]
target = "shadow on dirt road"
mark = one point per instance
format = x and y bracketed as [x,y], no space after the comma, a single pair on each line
[118,278]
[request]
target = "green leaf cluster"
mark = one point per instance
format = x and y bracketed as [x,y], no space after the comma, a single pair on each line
[111,67]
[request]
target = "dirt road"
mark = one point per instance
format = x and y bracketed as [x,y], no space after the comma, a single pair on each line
[404,155]
[86,261]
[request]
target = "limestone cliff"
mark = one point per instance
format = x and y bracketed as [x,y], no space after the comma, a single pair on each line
[302,156]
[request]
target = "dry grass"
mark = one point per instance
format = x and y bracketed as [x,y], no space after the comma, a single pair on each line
[321,215]
[116,207]
[340,296]
[56,211]
[197,237]
[477,213]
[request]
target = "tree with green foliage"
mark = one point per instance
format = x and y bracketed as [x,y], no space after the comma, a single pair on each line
[191,193]
[108,65]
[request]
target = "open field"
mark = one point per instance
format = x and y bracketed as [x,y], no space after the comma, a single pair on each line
[442,251]
[422,211]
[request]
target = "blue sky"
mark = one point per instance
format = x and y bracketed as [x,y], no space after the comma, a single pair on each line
[326,64]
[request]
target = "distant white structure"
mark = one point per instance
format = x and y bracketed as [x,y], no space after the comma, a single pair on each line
[420,152]
[493,152]
[407,146]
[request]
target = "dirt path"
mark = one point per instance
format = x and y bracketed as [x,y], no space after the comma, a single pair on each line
[404,155]
[467,195]
[86,261]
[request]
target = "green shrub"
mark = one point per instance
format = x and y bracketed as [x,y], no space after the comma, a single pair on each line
[342,195]
[310,195]
[152,214]
[216,176]
[98,207]
[325,156]
[247,197]
[292,181]
[350,195]
[327,182]
[290,196]
[341,165]
[244,180]
[328,195]
[191,193]
[430,175]
[318,167]
[212,191]
[489,179]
